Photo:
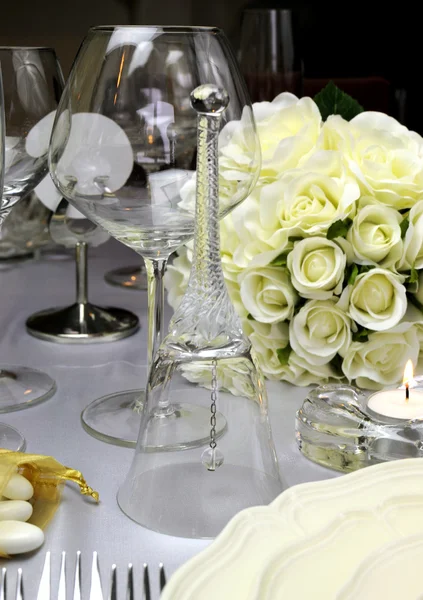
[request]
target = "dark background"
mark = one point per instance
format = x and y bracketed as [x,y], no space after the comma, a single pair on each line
[373,51]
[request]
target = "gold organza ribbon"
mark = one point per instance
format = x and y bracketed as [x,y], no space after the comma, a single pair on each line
[47,476]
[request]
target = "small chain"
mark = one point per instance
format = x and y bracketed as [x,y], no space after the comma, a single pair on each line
[213,406]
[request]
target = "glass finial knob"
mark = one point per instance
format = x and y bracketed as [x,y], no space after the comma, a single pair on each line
[209,99]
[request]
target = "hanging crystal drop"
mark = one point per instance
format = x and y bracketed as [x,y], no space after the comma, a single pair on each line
[212,458]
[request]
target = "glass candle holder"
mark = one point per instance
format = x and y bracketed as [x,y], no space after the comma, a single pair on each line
[336,428]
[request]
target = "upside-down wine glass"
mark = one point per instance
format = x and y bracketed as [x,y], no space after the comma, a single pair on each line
[32,84]
[195,492]
[123,151]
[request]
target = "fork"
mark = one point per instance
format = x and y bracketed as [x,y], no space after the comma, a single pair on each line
[19,585]
[130,582]
[96,593]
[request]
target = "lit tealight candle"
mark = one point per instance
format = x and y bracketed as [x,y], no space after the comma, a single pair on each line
[402,404]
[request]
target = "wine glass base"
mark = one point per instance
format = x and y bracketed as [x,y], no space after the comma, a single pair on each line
[114,419]
[82,323]
[134,278]
[11,439]
[21,387]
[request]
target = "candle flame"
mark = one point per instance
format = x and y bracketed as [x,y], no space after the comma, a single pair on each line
[408,373]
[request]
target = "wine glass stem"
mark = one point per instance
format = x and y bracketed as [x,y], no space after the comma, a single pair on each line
[81,272]
[155,271]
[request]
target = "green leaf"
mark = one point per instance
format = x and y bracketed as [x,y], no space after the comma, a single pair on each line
[362,335]
[295,238]
[280,261]
[404,226]
[250,317]
[336,363]
[283,354]
[339,229]
[353,275]
[414,276]
[366,268]
[333,101]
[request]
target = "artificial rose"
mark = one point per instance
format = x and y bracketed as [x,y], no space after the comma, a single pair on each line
[377,300]
[267,294]
[317,268]
[306,203]
[319,331]
[375,234]
[232,377]
[413,242]
[177,276]
[387,159]
[300,372]
[288,129]
[244,238]
[380,360]
[266,340]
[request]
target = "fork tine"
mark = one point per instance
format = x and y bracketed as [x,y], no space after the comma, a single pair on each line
[113,584]
[3,584]
[44,588]
[130,584]
[162,576]
[146,579]
[19,586]
[61,595]
[77,583]
[96,592]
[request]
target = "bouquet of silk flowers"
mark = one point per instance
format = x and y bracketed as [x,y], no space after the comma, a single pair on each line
[324,260]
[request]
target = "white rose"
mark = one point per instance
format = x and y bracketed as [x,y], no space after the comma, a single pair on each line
[288,129]
[375,234]
[246,239]
[319,331]
[337,135]
[413,241]
[235,296]
[267,294]
[387,159]
[302,373]
[380,361]
[377,299]
[266,340]
[238,158]
[306,203]
[177,276]
[233,377]
[317,268]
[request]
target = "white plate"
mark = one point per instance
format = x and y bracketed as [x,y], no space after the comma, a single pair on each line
[316,540]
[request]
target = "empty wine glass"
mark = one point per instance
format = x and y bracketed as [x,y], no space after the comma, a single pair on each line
[123,151]
[32,83]
[269,53]
[10,438]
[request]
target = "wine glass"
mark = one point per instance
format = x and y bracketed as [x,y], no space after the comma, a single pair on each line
[32,83]
[10,438]
[123,151]
[269,53]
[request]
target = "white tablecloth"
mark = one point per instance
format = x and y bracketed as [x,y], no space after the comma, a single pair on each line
[83,373]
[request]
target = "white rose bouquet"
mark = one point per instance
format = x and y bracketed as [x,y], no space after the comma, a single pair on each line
[324,260]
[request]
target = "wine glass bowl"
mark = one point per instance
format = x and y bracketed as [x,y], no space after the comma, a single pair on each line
[32,83]
[124,150]
[122,142]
